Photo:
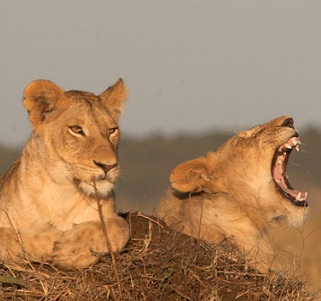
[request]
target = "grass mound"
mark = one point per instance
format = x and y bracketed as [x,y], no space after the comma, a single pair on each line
[157,264]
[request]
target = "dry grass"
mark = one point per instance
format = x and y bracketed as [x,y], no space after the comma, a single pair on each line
[157,264]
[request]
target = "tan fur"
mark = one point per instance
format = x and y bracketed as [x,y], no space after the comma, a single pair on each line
[231,193]
[48,199]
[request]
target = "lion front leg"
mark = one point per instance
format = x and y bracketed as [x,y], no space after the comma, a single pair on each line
[10,248]
[77,246]
[34,245]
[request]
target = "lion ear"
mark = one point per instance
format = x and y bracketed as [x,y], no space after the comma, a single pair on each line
[113,98]
[40,98]
[191,176]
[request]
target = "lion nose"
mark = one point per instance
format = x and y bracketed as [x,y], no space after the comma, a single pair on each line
[288,123]
[105,167]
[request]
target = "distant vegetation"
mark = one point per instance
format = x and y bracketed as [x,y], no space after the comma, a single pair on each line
[146,163]
[7,156]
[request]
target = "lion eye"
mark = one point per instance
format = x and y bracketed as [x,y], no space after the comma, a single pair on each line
[112,130]
[77,130]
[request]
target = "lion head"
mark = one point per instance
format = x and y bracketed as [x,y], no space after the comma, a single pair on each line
[250,168]
[239,191]
[77,134]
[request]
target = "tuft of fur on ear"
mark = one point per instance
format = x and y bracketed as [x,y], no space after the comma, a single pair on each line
[40,97]
[113,98]
[191,176]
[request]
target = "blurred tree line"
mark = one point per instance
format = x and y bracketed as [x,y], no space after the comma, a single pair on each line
[147,162]
[7,156]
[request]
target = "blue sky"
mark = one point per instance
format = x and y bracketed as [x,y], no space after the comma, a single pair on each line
[190,65]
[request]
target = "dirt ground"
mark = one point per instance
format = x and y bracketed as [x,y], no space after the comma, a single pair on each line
[157,264]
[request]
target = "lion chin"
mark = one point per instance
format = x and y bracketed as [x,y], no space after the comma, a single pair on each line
[239,191]
[102,189]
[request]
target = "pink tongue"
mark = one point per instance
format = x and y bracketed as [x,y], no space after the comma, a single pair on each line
[277,174]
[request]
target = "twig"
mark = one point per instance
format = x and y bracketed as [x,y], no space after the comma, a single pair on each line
[150,219]
[25,255]
[17,233]
[243,293]
[197,278]
[181,294]
[109,247]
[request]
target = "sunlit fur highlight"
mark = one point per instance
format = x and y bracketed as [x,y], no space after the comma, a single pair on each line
[48,198]
[231,193]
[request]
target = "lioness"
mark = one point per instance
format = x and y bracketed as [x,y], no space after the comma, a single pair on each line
[239,191]
[49,198]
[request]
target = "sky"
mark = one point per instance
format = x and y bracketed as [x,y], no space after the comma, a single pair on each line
[190,66]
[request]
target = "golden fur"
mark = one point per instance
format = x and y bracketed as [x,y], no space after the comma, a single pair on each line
[49,197]
[233,192]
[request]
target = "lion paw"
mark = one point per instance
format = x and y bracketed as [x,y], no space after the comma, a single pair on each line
[77,246]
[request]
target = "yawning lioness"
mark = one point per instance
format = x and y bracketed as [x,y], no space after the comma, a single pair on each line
[239,191]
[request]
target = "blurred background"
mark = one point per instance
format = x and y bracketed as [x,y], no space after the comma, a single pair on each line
[197,71]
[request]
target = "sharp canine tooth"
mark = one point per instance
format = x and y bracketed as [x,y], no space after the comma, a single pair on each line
[297,147]
[286,145]
[298,197]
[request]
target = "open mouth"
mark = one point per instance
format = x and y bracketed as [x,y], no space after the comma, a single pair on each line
[279,165]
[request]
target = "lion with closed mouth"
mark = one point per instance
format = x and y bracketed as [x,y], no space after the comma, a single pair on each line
[58,195]
[239,191]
